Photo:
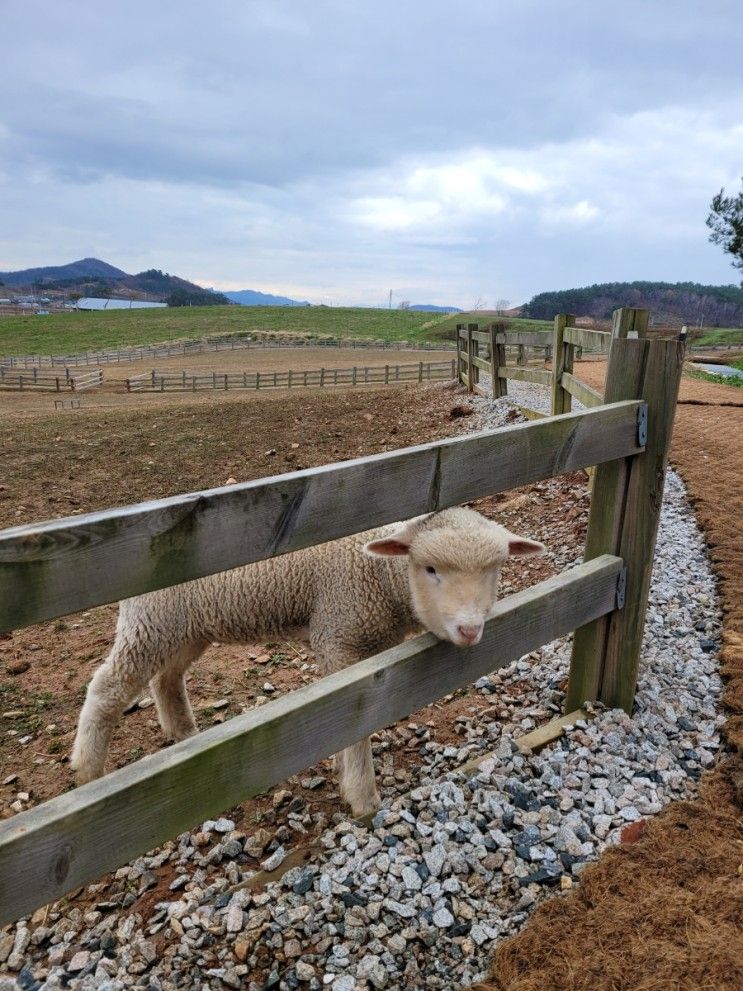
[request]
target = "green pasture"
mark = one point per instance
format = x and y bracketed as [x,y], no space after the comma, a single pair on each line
[717,335]
[70,333]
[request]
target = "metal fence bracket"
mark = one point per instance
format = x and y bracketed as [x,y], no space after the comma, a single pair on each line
[621,588]
[642,425]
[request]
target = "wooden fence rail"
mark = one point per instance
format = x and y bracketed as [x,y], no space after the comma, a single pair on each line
[171,381]
[51,569]
[35,380]
[210,346]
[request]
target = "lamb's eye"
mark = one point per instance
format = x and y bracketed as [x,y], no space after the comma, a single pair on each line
[430,570]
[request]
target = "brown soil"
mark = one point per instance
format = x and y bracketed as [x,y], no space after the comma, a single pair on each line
[665,913]
[113,394]
[57,466]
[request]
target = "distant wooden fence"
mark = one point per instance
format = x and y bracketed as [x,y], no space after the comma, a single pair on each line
[63,566]
[488,351]
[210,346]
[420,371]
[34,380]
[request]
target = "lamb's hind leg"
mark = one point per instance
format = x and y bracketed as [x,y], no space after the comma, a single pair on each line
[136,659]
[113,688]
[170,694]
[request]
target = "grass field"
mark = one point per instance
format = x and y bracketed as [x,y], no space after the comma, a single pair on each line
[75,332]
[718,335]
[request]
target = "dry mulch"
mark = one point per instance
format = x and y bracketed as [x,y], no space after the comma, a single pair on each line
[665,912]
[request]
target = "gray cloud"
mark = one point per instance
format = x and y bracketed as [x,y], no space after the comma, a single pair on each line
[335,147]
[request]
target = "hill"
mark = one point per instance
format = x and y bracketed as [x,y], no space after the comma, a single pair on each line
[671,303]
[85,268]
[93,277]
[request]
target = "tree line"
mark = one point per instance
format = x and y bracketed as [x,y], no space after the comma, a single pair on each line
[671,303]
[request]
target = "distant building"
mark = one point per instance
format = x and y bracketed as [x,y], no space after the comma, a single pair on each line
[94,303]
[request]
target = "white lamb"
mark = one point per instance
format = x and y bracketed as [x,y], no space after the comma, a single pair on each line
[350,599]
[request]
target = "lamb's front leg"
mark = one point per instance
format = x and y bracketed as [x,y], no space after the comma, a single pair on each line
[356,778]
[354,765]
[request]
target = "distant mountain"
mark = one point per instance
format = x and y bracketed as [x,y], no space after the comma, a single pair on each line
[429,308]
[90,268]
[669,303]
[250,297]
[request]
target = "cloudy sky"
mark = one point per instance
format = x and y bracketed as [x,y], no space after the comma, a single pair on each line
[333,150]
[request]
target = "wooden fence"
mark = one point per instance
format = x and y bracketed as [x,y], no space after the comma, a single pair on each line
[164,381]
[566,345]
[177,349]
[37,381]
[56,568]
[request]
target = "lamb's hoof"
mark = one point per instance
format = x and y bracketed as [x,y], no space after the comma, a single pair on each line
[177,733]
[84,775]
[85,770]
[366,808]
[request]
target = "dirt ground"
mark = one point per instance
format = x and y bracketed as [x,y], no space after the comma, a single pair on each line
[665,913]
[659,914]
[57,466]
[113,393]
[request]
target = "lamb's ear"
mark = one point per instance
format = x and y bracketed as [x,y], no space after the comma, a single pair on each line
[523,547]
[397,544]
[387,547]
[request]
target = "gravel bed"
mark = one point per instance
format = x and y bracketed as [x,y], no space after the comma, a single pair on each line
[419,900]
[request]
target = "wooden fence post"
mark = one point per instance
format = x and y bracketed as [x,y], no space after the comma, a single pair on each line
[461,357]
[625,510]
[628,321]
[562,361]
[472,350]
[497,359]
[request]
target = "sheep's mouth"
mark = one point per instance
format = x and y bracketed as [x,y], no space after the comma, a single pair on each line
[468,639]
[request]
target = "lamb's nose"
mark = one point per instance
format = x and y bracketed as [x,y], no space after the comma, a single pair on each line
[470,633]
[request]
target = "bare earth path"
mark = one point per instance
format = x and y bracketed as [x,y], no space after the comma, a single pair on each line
[665,913]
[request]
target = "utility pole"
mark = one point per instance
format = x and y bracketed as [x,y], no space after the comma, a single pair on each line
[390,303]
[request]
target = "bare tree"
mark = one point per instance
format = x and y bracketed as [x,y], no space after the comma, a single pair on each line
[501,305]
[480,304]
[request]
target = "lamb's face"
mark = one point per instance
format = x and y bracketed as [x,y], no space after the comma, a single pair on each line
[454,565]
